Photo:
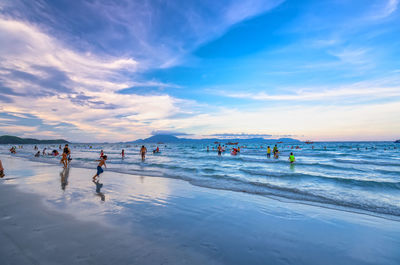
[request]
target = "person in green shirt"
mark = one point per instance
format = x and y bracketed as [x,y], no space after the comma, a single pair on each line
[292,159]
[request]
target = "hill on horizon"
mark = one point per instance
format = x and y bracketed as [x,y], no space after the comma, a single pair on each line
[9,139]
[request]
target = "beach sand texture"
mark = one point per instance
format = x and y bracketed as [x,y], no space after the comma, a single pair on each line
[51,216]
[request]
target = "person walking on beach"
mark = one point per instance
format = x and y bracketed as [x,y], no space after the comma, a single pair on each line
[102,162]
[292,159]
[268,152]
[1,170]
[143,152]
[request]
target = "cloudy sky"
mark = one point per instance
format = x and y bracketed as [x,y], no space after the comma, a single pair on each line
[119,70]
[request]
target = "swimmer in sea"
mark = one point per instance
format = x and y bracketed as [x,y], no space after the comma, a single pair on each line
[37,154]
[292,159]
[143,152]
[99,169]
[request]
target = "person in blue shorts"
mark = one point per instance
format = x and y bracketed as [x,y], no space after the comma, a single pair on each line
[99,169]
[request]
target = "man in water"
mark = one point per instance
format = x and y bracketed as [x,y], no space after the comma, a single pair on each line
[99,169]
[292,159]
[123,153]
[143,152]
[37,154]
[219,150]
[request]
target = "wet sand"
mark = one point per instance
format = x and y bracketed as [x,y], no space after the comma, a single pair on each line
[51,216]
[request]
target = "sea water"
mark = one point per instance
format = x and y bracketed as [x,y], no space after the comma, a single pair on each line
[354,176]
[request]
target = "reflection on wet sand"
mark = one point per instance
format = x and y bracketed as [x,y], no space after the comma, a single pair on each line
[98,189]
[64,177]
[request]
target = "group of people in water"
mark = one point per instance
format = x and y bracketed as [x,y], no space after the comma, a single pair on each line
[235,151]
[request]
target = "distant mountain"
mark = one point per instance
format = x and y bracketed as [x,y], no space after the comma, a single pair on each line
[159,138]
[8,139]
[164,138]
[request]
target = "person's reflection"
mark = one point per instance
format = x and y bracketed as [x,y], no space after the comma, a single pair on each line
[64,178]
[292,167]
[98,190]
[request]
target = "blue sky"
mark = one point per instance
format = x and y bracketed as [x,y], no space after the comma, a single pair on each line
[121,70]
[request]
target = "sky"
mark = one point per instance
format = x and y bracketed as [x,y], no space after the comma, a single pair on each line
[120,70]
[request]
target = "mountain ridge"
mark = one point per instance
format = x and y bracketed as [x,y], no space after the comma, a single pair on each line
[165,138]
[9,139]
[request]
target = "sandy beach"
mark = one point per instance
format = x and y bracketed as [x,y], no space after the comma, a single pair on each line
[51,216]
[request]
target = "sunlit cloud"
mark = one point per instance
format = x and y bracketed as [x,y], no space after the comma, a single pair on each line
[122,70]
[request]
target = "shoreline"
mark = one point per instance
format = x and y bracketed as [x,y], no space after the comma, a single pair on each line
[158,220]
[277,197]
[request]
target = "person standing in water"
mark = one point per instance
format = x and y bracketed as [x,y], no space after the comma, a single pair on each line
[275,149]
[143,152]
[123,153]
[1,170]
[268,152]
[102,162]
[101,153]
[292,159]
[219,150]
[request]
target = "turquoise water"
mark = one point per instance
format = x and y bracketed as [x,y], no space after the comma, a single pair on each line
[355,176]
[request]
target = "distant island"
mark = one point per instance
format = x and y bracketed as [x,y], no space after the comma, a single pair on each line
[8,139]
[164,138]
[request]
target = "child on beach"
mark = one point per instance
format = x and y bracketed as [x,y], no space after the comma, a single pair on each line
[64,159]
[99,169]
[1,170]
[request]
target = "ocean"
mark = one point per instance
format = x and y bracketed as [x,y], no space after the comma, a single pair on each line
[361,177]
